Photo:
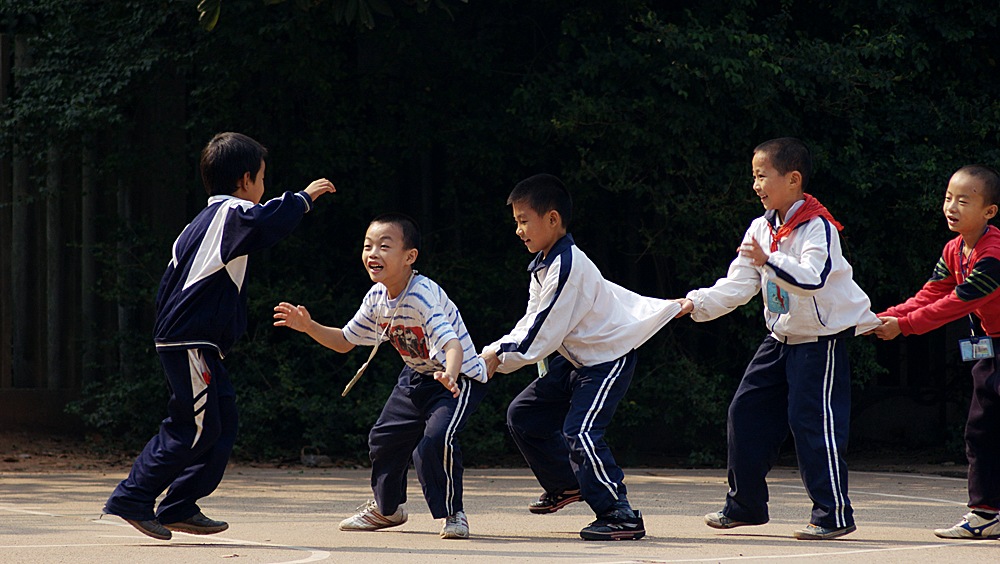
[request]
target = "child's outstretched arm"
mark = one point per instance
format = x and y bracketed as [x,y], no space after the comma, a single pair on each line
[319,187]
[453,361]
[298,318]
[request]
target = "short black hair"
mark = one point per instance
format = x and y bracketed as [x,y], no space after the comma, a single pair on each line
[787,154]
[990,179]
[542,193]
[408,225]
[226,158]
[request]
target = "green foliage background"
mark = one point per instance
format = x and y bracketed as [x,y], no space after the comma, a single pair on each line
[648,110]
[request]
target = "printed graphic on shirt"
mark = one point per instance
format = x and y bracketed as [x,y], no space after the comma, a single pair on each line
[409,341]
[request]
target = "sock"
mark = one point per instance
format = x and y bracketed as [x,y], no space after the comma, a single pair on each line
[985,513]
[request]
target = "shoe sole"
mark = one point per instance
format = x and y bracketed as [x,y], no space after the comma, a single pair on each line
[545,510]
[619,535]
[803,535]
[730,525]
[945,535]
[454,536]
[369,529]
[192,530]
[148,532]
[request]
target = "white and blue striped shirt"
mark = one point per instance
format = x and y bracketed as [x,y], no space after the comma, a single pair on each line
[419,324]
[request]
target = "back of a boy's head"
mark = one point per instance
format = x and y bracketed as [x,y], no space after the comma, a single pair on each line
[990,179]
[543,193]
[406,224]
[787,154]
[226,158]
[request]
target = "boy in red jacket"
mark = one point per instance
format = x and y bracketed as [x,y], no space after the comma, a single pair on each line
[965,281]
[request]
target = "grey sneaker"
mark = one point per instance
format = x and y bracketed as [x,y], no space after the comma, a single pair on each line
[368,518]
[972,526]
[198,524]
[815,532]
[455,526]
[718,520]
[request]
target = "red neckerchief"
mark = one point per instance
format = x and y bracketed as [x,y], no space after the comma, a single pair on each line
[809,209]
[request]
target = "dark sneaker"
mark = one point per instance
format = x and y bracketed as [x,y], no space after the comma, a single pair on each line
[719,520]
[618,524]
[815,532]
[552,502]
[151,528]
[198,525]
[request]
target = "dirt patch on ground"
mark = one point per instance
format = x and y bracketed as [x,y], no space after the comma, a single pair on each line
[27,451]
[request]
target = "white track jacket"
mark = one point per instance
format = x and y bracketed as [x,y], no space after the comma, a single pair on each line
[819,292]
[572,309]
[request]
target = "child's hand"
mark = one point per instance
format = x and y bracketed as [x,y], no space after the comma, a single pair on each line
[291,316]
[889,329]
[492,362]
[319,187]
[687,306]
[753,251]
[448,381]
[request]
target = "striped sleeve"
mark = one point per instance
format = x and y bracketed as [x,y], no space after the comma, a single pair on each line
[362,329]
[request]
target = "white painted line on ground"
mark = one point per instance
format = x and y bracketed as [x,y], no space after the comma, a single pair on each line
[314,554]
[806,554]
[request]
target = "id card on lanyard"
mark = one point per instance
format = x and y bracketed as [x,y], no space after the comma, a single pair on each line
[975,347]
[776,298]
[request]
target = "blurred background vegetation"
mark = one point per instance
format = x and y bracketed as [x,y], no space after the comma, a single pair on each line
[648,110]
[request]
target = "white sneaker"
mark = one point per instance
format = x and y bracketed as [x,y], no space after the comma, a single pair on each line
[368,518]
[455,526]
[972,526]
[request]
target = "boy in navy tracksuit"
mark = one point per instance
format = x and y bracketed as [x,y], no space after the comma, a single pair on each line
[800,376]
[965,281]
[593,326]
[200,312]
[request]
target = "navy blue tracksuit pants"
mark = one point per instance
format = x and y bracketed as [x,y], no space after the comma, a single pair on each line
[805,387]
[191,450]
[423,418]
[982,435]
[558,423]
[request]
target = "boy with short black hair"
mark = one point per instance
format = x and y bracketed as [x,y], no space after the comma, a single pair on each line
[800,376]
[200,313]
[441,384]
[965,282]
[591,327]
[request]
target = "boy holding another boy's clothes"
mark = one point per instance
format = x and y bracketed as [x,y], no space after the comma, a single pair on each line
[965,282]
[800,376]
[441,384]
[201,310]
[594,326]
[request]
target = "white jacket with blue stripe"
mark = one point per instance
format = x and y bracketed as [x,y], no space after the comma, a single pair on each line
[809,265]
[575,311]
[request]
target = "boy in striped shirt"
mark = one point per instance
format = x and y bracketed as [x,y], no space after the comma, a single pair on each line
[441,384]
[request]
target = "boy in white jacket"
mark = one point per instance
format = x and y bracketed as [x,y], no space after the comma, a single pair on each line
[593,326]
[800,376]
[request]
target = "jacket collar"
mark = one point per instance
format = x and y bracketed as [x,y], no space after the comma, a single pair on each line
[564,243]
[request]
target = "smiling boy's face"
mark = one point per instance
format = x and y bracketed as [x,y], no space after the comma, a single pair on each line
[965,207]
[776,191]
[386,259]
[538,232]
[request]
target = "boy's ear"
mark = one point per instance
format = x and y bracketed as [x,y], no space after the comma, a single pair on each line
[411,256]
[991,211]
[553,217]
[242,183]
[795,178]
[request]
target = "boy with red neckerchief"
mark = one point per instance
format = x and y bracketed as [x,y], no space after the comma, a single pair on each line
[800,376]
[965,281]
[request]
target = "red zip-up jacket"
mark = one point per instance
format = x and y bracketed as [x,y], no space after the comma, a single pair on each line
[958,286]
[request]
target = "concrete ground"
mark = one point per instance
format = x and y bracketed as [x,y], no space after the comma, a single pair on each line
[291,515]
